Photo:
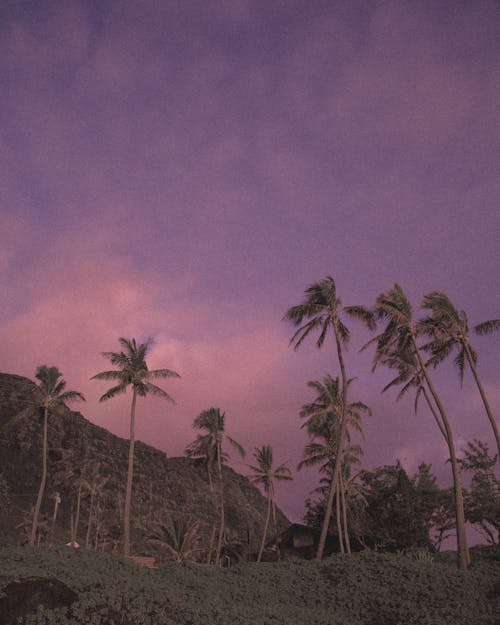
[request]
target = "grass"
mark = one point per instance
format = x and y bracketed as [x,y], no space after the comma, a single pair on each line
[365,589]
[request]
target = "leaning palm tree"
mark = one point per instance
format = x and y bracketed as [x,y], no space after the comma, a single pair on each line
[410,376]
[449,329]
[399,338]
[329,418]
[212,421]
[266,474]
[322,310]
[132,371]
[50,394]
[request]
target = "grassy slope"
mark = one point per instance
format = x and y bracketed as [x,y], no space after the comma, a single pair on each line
[367,589]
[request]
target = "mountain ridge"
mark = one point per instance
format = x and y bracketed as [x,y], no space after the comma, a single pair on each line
[174,487]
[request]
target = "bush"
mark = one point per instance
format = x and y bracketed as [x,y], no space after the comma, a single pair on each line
[365,589]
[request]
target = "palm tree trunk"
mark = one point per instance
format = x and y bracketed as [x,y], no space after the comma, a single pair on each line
[340,449]
[214,527]
[77,515]
[483,397]
[57,501]
[221,505]
[463,552]
[89,524]
[97,515]
[130,473]
[344,513]
[339,521]
[435,415]
[211,543]
[43,481]
[266,525]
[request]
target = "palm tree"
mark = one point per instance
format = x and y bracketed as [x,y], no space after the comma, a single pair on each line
[347,488]
[57,501]
[80,484]
[95,485]
[411,376]
[209,445]
[265,474]
[449,329]
[132,371]
[328,418]
[321,310]
[397,340]
[50,394]
[179,539]
[203,450]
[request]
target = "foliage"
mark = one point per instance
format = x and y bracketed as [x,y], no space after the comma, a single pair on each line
[366,589]
[482,500]
[394,512]
[176,539]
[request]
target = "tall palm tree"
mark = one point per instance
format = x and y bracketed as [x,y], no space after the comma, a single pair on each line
[450,329]
[50,395]
[329,418]
[399,338]
[212,421]
[266,474]
[322,310]
[132,371]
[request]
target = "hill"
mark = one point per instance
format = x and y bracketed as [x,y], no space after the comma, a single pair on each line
[165,489]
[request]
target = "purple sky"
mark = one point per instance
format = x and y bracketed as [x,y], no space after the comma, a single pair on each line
[184,170]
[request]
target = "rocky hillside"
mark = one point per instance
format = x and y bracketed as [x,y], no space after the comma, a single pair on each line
[165,489]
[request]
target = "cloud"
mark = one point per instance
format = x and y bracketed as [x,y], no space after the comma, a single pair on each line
[183,172]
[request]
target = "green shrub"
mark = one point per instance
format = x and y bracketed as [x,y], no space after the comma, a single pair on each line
[365,589]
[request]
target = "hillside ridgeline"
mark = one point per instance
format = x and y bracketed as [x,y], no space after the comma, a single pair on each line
[165,489]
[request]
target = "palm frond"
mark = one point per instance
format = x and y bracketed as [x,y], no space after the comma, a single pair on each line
[113,392]
[158,392]
[460,364]
[163,373]
[363,314]
[324,330]
[236,446]
[71,396]
[343,333]
[108,375]
[487,327]
[304,331]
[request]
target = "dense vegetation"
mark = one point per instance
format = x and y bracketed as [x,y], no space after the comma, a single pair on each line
[365,589]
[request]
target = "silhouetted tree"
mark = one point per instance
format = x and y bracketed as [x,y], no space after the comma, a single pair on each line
[265,474]
[50,394]
[132,371]
[322,310]
[212,421]
[397,340]
[450,329]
